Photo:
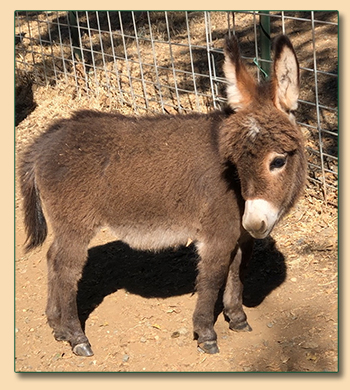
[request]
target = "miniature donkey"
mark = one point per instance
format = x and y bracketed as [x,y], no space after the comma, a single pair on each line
[221,179]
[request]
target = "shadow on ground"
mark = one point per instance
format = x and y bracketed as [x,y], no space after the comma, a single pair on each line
[171,272]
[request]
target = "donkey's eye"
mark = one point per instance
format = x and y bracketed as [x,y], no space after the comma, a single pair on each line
[277,163]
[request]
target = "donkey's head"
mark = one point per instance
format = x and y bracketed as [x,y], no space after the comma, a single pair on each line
[261,139]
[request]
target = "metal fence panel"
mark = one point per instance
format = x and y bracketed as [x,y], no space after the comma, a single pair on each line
[172,62]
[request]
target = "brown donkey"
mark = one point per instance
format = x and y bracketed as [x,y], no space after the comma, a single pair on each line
[220,179]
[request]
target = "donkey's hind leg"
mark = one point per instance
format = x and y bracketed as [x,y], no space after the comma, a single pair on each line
[66,259]
[233,299]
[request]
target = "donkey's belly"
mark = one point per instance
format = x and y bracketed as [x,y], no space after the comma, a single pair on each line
[153,237]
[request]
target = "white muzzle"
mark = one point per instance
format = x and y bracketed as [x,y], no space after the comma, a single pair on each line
[259,217]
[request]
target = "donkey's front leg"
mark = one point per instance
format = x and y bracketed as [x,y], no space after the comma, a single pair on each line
[213,269]
[233,298]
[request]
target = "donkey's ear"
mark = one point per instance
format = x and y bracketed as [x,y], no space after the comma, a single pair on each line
[242,86]
[285,77]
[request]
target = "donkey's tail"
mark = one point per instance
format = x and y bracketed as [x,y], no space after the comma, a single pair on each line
[34,219]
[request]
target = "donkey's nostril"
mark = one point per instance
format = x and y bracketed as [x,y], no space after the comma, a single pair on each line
[257,225]
[262,227]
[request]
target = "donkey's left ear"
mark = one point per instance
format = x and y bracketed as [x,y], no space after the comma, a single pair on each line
[241,89]
[285,76]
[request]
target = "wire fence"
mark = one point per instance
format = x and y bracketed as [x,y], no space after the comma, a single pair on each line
[172,62]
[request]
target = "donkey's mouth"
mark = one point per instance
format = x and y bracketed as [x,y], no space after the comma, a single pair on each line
[259,217]
[259,234]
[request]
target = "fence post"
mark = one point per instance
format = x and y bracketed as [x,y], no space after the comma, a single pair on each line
[265,41]
[72,17]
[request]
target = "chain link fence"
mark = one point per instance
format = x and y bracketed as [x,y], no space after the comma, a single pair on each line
[172,62]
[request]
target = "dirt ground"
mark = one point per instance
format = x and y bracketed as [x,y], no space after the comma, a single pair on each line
[137,306]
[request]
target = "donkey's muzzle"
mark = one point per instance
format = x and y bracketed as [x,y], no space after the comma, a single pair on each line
[259,218]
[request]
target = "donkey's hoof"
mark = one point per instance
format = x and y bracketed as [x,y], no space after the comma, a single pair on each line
[208,347]
[83,349]
[241,327]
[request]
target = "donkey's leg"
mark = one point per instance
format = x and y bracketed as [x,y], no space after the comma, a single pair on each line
[233,308]
[53,307]
[66,259]
[213,268]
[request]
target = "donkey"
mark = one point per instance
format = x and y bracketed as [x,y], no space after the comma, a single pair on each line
[221,179]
